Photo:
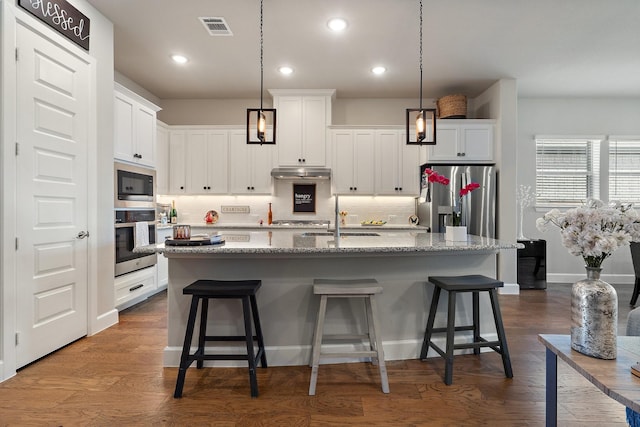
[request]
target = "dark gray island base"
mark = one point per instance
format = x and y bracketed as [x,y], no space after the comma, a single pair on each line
[288,261]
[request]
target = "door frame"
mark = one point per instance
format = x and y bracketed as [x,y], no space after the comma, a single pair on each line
[11,17]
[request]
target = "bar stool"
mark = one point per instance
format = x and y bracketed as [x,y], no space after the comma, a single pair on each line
[354,288]
[454,285]
[202,291]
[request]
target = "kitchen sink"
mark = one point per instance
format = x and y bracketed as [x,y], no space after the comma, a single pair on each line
[329,233]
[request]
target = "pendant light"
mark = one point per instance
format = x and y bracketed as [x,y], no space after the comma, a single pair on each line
[424,123]
[259,119]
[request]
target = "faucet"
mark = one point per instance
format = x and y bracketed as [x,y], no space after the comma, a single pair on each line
[337,227]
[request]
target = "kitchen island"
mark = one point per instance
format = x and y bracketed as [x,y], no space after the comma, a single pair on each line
[288,261]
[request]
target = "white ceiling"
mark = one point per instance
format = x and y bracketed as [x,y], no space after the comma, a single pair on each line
[566,48]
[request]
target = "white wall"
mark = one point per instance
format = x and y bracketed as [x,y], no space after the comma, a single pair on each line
[553,116]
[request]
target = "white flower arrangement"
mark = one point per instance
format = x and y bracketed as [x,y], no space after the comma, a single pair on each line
[594,230]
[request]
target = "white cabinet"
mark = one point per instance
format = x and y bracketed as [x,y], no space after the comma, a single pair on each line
[162,158]
[353,161]
[460,141]
[134,128]
[134,287]
[162,266]
[397,164]
[249,165]
[207,161]
[302,120]
[177,162]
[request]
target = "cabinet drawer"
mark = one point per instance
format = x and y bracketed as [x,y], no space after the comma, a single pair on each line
[134,285]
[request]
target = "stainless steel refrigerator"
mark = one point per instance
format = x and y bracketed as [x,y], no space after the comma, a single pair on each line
[478,208]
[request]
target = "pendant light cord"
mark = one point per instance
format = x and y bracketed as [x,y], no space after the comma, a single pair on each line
[262,53]
[421,55]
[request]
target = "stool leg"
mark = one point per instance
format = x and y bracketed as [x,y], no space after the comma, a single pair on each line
[373,306]
[317,343]
[184,358]
[476,320]
[432,316]
[451,325]
[204,310]
[370,329]
[248,332]
[504,350]
[256,323]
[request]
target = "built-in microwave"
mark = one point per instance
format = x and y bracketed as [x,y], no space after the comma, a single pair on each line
[135,186]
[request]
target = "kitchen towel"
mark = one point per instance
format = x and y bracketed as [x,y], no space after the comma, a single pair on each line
[141,237]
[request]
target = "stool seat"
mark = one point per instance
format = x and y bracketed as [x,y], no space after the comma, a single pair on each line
[348,288]
[474,284]
[203,290]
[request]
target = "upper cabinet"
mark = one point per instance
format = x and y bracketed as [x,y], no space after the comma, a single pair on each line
[162,158]
[207,160]
[134,128]
[397,164]
[177,162]
[353,161]
[462,141]
[249,165]
[301,126]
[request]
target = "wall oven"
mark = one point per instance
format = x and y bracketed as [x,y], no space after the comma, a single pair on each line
[135,186]
[128,261]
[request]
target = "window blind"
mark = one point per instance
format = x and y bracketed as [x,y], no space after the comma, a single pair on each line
[567,170]
[624,170]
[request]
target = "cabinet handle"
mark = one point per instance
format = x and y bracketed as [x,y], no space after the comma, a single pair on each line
[400,188]
[253,188]
[181,187]
[133,288]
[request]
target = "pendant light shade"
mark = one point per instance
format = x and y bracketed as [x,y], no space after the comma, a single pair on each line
[261,122]
[421,122]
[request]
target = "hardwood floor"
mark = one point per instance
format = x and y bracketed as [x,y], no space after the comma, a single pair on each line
[116,378]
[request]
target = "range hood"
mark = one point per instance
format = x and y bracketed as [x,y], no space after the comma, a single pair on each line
[303,172]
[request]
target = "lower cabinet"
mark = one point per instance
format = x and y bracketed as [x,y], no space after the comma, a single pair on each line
[134,287]
[163,263]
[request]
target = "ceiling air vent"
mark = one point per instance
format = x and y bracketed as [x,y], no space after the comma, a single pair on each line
[216,26]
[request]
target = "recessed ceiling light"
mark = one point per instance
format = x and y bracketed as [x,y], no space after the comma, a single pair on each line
[285,70]
[378,70]
[179,59]
[337,24]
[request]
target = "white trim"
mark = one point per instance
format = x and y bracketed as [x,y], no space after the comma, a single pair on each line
[509,289]
[104,321]
[301,355]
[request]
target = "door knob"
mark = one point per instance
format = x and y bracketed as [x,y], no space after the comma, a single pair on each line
[82,234]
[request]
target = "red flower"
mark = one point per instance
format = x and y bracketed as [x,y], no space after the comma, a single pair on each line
[433,176]
[469,188]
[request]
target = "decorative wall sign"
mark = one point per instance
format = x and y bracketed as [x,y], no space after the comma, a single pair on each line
[304,198]
[62,17]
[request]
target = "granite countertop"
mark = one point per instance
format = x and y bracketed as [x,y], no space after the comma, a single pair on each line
[320,242]
[257,227]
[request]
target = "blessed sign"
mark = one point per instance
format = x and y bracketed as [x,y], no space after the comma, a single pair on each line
[62,17]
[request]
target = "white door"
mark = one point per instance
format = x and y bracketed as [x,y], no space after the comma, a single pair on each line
[53,87]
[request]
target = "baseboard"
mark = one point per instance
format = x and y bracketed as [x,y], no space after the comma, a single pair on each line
[301,355]
[104,321]
[509,289]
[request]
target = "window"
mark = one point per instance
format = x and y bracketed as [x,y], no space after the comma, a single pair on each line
[624,169]
[567,170]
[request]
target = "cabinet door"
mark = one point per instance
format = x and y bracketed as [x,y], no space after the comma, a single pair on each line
[249,165]
[289,131]
[162,160]
[447,145]
[197,162]
[314,130]
[342,170]
[387,162]
[261,165]
[477,142]
[364,161]
[409,174]
[177,162]
[145,136]
[217,162]
[123,131]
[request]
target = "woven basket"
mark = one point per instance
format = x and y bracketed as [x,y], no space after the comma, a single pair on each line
[452,107]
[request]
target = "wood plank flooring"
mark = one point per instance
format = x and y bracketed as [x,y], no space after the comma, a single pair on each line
[116,378]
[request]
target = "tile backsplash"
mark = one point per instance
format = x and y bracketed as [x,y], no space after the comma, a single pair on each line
[192,209]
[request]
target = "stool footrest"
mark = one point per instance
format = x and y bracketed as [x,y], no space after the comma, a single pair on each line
[228,338]
[345,337]
[364,353]
[457,329]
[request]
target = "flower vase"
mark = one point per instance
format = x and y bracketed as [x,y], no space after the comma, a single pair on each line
[594,316]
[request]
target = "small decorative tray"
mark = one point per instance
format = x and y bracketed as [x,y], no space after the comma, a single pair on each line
[376,223]
[195,241]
